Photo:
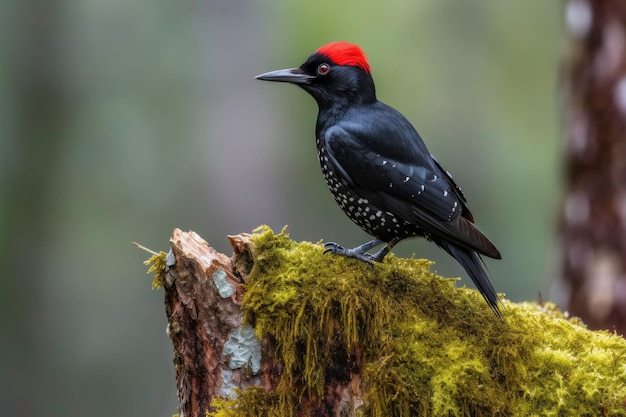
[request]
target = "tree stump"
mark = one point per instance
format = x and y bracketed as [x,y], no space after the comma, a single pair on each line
[280,329]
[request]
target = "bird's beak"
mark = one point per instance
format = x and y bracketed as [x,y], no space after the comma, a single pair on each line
[291,75]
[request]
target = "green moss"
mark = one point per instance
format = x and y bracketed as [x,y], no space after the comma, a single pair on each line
[157,265]
[254,402]
[428,347]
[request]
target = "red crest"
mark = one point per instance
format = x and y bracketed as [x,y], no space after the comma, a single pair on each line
[344,53]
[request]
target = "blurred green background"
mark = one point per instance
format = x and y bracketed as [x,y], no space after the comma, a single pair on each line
[120,120]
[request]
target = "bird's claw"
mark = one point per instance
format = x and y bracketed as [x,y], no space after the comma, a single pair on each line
[336,249]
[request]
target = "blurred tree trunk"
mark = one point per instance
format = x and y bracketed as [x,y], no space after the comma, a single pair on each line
[593,228]
[35,99]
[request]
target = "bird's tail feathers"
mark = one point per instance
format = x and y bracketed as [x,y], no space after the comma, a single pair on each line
[475,267]
[469,235]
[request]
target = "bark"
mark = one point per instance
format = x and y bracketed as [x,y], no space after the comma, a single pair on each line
[203,306]
[593,231]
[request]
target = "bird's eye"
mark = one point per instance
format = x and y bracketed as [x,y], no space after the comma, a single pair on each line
[323,69]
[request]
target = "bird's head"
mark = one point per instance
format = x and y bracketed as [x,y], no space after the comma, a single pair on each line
[336,73]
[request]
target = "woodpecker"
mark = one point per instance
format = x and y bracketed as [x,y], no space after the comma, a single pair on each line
[379,170]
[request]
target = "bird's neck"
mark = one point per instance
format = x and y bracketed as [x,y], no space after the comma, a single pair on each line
[332,111]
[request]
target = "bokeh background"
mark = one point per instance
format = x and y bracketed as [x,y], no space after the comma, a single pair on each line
[120,120]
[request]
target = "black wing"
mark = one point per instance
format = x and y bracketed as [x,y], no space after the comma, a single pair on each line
[459,193]
[403,179]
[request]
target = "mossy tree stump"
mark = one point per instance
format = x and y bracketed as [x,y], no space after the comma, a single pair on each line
[279,329]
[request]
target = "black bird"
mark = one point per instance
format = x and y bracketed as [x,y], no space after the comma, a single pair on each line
[379,169]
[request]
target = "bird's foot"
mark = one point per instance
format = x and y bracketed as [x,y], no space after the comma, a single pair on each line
[360,252]
[332,247]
